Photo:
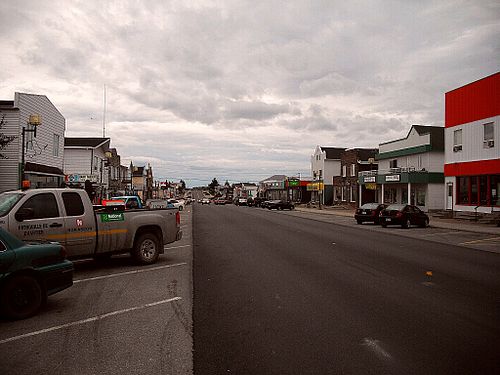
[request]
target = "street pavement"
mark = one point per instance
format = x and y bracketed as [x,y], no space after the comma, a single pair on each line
[299,293]
[478,236]
[444,223]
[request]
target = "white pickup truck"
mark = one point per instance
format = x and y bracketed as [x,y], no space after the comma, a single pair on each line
[68,217]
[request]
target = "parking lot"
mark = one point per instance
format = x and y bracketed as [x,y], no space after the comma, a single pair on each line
[117,317]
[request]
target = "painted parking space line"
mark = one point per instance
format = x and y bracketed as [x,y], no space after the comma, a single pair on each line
[89,320]
[176,247]
[375,346]
[128,272]
[480,241]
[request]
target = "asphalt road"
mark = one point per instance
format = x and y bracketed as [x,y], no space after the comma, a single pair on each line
[276,293]
[117,318]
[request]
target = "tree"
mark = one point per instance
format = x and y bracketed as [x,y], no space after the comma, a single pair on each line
[4,139]
[213,185]
[182,186]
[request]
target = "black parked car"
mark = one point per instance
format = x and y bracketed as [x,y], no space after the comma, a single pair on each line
[280,205]
[259,201]
[403,214]
[369,212]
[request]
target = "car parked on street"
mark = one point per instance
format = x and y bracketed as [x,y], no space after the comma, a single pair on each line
[257,201]
[220,201]
[205,201]
[403,214]
[241,202]
[29,273]
[174,203]
[280,205]
[369,212]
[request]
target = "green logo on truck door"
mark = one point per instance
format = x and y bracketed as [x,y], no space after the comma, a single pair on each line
[106,218]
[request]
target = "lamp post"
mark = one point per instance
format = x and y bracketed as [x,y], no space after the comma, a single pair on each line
[34,120]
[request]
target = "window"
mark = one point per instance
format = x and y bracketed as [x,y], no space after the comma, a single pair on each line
[463,190]
[55,146]
[457,140]
[353,170]
[489,135]
[43,206]
[354,192]
[393,163]
[344,171]
[473,190]
[73,204]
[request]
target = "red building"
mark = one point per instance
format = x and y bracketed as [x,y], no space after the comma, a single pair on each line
[472,146]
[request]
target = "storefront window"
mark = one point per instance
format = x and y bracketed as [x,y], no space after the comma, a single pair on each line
[420,195]
[495,188]
[483,190]
[473,190]
[404,197]
[390,195]
[463,190]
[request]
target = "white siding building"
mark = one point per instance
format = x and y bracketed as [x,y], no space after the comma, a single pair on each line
[410,170]
[325,165]
[43,154]
[85,159]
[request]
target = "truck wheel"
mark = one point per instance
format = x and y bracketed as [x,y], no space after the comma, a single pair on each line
[21,297]
[146,248]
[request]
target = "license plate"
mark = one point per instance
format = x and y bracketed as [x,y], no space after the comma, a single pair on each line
[388,219]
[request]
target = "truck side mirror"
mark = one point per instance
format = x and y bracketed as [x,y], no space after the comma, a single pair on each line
[25,214]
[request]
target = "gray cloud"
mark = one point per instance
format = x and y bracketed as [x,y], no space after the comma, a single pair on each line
[226,87]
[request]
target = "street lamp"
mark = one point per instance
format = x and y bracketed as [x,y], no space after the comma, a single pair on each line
[35,121]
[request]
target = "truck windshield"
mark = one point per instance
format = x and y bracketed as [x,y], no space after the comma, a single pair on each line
[7,201]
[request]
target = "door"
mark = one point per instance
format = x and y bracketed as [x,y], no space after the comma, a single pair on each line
[449,196]
[80,228]
[44,222]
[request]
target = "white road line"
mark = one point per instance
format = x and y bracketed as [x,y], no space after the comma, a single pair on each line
[479,241]
[176,247]
[374,345]
[128,272]
[437,234]
[89,320]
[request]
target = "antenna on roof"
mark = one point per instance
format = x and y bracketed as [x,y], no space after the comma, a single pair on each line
[104,112]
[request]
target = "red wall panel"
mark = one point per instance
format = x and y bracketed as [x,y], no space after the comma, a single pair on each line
[473,168]
[472,102]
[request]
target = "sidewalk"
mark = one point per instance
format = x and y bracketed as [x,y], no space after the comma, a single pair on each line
[435,222]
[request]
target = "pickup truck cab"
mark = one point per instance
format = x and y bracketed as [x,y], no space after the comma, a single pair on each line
[67,216]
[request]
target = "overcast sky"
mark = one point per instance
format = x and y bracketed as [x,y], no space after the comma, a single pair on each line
[242,90]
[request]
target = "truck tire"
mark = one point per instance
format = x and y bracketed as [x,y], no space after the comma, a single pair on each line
[146,248]
[21,297]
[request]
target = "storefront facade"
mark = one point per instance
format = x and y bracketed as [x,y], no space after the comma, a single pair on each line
[472,146]
[410,169]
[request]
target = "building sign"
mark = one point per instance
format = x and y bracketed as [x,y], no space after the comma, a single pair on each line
[371,186]
[106,218]
[393,178]
[369,179]
[315,186]
[293,183]
[80,177]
